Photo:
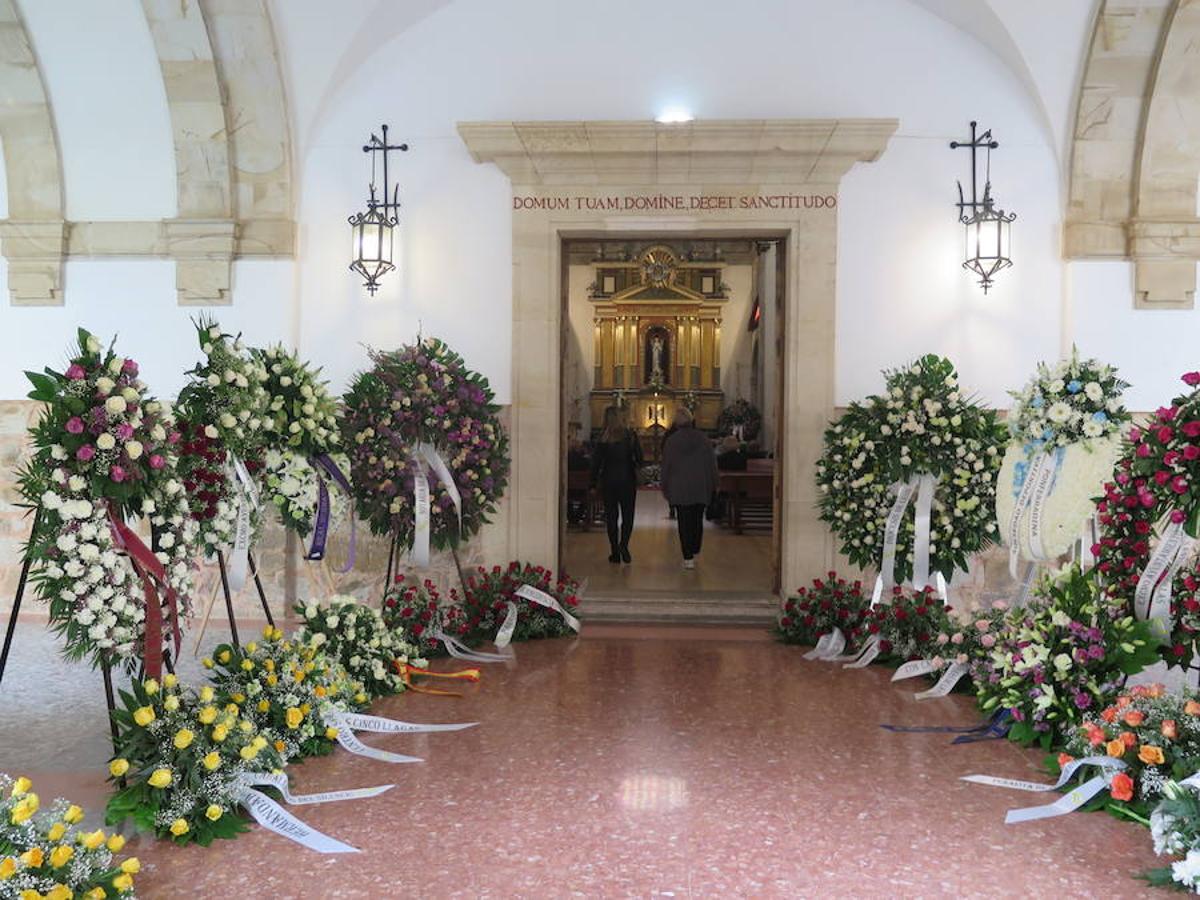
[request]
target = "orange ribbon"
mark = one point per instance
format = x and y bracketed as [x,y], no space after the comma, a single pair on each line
[407,672]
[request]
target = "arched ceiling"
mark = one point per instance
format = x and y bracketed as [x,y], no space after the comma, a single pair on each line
[1136,153]
[248,83]
[230,137]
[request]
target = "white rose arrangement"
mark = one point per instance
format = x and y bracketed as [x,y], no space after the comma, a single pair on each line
[357,636]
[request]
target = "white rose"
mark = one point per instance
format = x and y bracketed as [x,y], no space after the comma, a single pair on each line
[210,431]
[104,385]
[130,395]
[77,483]
[227,421]
[133,448]
[93,345]
[106,441]
[115,405]
[59,452]
[214,380]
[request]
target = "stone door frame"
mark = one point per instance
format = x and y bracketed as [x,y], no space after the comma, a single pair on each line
[726,177]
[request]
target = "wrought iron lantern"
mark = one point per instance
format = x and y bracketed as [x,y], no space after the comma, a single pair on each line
[372,232]
[988,228]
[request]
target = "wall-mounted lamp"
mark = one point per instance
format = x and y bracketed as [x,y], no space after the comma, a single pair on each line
[372,231]
[988,229]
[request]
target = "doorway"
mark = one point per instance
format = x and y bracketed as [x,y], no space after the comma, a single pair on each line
[652,325]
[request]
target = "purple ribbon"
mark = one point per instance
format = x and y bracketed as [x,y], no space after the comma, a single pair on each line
[995,727]
[325,462]
[321,526]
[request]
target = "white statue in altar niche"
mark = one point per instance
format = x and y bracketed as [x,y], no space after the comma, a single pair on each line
[656,352]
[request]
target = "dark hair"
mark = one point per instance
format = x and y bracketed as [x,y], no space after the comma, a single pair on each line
[615,428]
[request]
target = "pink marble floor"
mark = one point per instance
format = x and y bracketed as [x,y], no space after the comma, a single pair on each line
[664,763]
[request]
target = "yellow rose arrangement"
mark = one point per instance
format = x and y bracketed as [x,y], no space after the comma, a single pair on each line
[285,688]
[180,753]
[44,851]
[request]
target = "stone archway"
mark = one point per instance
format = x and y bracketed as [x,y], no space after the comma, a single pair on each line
[734,177]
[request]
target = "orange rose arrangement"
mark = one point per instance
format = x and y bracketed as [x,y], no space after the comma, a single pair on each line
[1155,733]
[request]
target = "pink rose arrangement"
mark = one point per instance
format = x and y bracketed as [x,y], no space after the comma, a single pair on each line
[104,454]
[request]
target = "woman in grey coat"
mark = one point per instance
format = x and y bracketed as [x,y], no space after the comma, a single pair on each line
[689,480]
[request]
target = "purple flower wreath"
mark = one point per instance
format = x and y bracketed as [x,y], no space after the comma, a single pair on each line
[424,394]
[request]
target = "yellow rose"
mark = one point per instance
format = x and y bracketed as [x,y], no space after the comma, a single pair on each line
[207,662]
[57,830]
[247,665]
[206,694]
[172,703]
[24,809]
[116,843]
[305,708]
[224,656]
[207,715]
[150,686]
[331,733]
[96,893]
[219,733]
[160,778]
[246,726]
[183,739]
[33,857]
[131,866]
[143,715]
[360,697]
[298,674]
[73,815]
[280,746]
[269,665]
[319,690]
[180,827]
[59,892]
[272,680]
[293,717]
[8,866]
[268,632]
[264,706]
[169,680]
[248,752]
[93,839]
[213,813]
[21,786]
[118,767]
[259,741]
[125,882]
[233,707]
[61,855]
[251,647]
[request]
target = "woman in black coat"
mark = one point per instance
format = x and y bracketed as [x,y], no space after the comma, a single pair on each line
[616,462]
[689,480]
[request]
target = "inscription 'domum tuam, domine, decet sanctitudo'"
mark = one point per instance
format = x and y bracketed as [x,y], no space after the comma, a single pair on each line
[662,202]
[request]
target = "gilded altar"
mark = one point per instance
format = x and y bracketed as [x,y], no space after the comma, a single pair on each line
[657,338]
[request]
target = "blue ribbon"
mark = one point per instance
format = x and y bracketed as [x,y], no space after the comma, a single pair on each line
[996,726]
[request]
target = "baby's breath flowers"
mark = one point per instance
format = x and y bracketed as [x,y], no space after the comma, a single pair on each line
[179,754]
[46,853]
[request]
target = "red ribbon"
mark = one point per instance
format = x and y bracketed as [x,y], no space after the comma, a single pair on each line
[149,569]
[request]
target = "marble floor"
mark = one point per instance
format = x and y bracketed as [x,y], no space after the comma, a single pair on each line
[728,562]
[631,762]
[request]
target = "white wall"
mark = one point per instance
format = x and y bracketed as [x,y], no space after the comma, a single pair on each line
[1152,348]
[134,300]
[901,291]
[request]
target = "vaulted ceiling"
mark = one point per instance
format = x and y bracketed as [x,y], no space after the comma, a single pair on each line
[247,83]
